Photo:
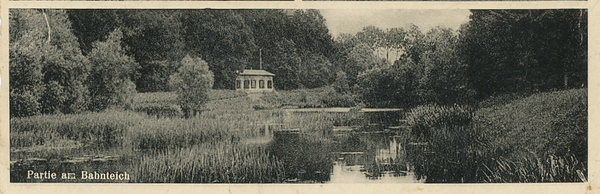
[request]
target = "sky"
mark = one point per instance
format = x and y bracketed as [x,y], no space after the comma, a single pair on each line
[352,21]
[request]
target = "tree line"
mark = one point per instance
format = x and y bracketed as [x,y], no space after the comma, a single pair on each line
[71,61]
[497,52]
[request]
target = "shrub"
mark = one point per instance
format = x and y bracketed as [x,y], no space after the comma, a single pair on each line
[192,82]
[24,103]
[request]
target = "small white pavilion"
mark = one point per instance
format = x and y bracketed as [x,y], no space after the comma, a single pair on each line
[254,81]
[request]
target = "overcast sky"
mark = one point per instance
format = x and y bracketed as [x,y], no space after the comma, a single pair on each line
[352,21]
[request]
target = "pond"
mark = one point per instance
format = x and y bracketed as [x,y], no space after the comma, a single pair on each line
[371,152]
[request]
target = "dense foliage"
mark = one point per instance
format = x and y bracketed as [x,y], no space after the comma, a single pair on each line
[47,69]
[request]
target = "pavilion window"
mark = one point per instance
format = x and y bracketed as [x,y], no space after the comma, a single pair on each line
[238,84]
[261,83]
[246,84]
[253,85]
[269,84]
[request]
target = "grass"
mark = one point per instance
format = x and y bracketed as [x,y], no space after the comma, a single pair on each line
[170,97]
[532,138]
[98,129]
[548,127]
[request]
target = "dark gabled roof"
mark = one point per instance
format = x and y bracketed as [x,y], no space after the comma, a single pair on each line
[256,72]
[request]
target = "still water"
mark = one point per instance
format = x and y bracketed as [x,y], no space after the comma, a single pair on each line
[373,152]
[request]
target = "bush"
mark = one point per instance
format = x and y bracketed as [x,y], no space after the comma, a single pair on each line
[192,82]
[24,103]
[47,70]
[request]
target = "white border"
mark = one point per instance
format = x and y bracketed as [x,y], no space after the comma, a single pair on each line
[594,43]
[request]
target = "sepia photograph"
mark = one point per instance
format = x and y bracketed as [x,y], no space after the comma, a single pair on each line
[298,96]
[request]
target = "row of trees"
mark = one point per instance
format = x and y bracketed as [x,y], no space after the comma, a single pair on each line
[50,72]
[74,60]
[293,44]
[497,52]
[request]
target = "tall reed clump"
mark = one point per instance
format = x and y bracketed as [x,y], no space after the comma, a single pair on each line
[451,145]
[98,129]
[219,162]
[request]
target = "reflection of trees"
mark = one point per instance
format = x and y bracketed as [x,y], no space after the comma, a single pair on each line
[379,156]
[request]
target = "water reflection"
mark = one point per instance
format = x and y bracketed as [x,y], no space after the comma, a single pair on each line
[349,155]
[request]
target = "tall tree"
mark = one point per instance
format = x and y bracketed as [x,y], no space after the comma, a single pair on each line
[222,39]
[308,30]
[91,25]
[154,39]
[47,69]
[526,50]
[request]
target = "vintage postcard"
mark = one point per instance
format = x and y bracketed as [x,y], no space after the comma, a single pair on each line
[298,97]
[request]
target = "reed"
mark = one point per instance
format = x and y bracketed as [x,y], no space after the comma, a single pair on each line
[103,128]
[535,169]
[220,162]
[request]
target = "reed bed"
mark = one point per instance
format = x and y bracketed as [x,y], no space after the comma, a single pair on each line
[182,133]
[220,162]
[103,128]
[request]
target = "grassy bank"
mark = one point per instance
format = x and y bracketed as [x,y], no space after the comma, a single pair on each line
[311,98]
[542,137]
[537,138]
